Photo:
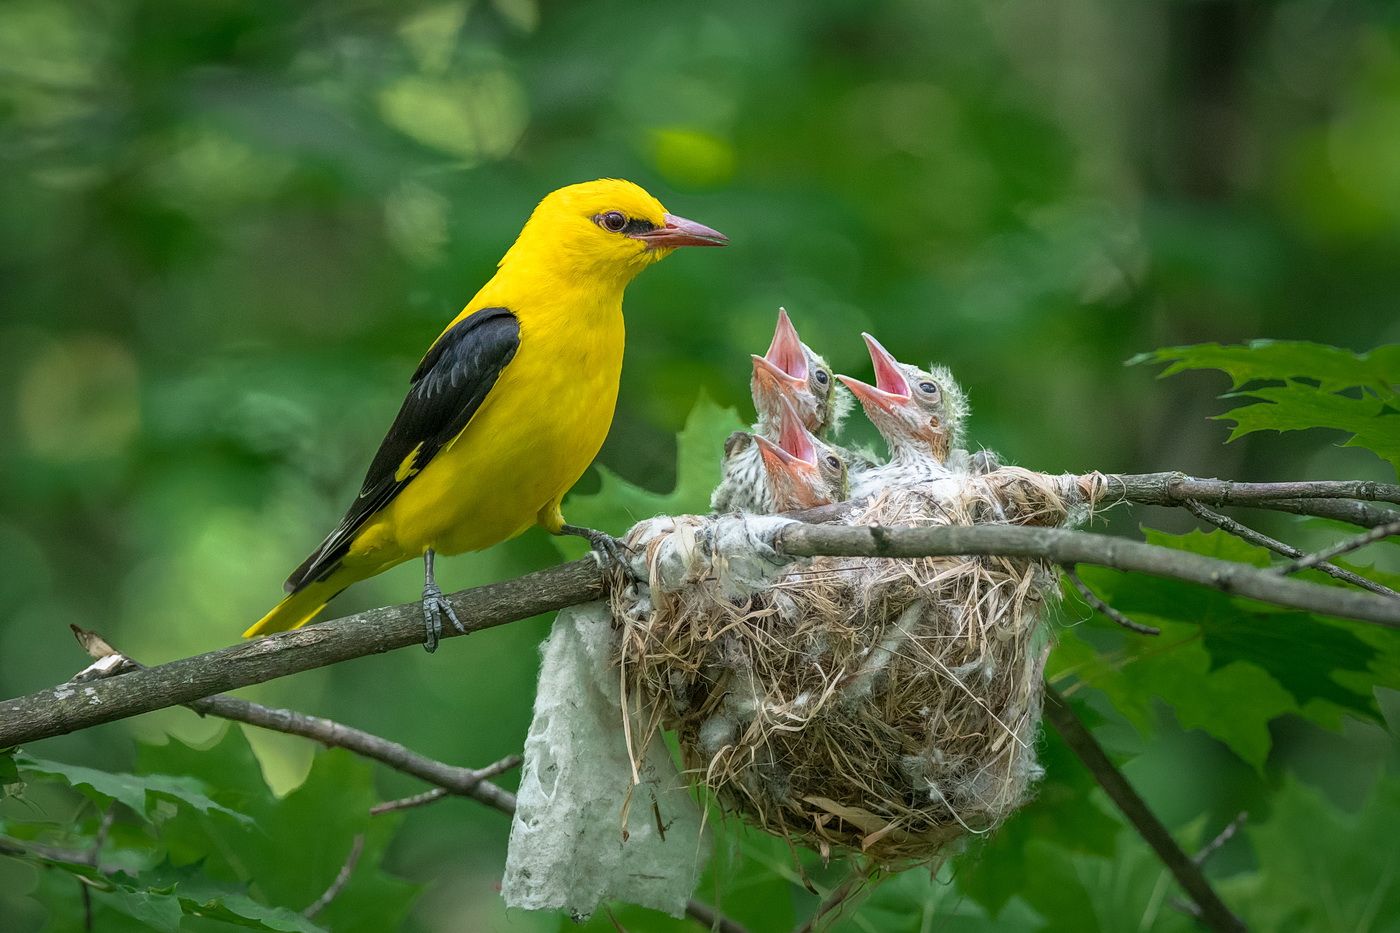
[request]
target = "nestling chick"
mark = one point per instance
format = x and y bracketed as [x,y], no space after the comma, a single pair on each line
[798,471]
[801,471]
[790,372]
[920,413]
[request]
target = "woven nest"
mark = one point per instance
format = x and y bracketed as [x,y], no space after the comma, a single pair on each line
[886,707]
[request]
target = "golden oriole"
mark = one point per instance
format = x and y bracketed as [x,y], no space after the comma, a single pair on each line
[509,405]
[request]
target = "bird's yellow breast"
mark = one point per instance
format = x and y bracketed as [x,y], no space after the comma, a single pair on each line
[539,428]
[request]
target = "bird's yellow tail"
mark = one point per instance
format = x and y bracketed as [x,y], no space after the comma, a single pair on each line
[298,608]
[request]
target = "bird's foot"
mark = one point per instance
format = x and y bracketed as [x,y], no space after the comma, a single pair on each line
[610,551]
[435,606]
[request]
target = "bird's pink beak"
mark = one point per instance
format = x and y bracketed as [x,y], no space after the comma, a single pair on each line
[785,351]
[794,451]
[677,231]
[891,389]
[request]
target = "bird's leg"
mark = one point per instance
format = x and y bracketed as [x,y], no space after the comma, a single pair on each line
[434,606]
[609,549]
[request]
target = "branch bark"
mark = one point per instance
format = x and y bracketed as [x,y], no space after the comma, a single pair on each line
[72,706]
[1077,547]
[1240,530]
[69,707]
[1319,560]
[1320,499]
[1213,912]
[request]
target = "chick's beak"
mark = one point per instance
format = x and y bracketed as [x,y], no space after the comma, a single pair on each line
[785,351]
[794,438]
[873,398]
[888,377]
[677,231]
[794,454]
[772,378]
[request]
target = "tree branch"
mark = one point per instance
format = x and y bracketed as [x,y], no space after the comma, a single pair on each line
[1077,547]
[72,706]
[1213,912]
[342,878]
[1337,510]
[1113,615]
[1176,488]
[1319,560]
[69,707]
[1244,532]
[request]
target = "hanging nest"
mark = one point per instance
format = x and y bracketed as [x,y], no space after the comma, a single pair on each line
[886,707]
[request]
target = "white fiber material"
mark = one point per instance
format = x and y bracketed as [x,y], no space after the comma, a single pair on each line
[577,840]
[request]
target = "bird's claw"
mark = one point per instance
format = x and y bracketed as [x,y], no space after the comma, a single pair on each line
[609,550]
[435,605]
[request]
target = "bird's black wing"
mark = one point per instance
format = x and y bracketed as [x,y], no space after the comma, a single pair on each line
[448,387]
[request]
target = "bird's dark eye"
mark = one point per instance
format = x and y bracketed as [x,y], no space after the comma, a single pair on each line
[833,463]
[928,388]
[821,376]
[613,221]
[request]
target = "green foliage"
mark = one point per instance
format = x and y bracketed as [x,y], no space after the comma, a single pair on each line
[1222,664]
[619,504]
[229,230]
[1031,856]
[139,793]
[211,844]
[1323,387]
[1321,868]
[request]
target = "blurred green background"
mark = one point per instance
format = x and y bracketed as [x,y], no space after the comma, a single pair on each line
[228,228]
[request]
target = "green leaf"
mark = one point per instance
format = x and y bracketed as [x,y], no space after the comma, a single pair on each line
[155,909]
[618,504]
[1324,869]
[913,902]
[1332,367]
[241,910]
[1297,407]
[1301,651]
[138,792]
[311,828]
[1224,665]
[1028,856]
[1234,703]
[1355,392]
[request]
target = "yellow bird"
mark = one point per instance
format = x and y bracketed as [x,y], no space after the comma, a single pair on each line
[509,406]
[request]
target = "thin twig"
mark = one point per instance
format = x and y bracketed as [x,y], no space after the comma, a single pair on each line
[712,919]
[1213,912]
[1239,530]
[834,900]
[1224,836]
[1113,615]
[1316,499]
[94,856]
[1319,559]
[342,878]
[407,803]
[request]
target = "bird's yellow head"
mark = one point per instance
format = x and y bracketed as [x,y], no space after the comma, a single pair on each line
[604,230]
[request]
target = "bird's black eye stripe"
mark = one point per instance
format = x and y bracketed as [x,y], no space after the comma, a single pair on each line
[637,225]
